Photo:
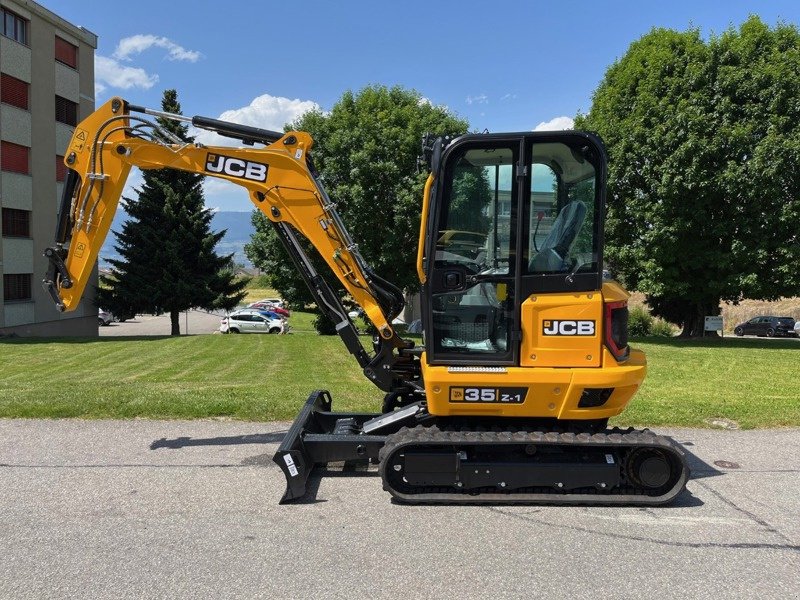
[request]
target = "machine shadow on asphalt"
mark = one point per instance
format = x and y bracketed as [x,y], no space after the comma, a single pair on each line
[274,437]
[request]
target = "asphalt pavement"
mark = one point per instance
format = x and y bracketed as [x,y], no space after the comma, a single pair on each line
[173,509]
[191,322]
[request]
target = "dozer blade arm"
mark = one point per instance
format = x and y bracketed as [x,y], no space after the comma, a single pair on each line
[280,181]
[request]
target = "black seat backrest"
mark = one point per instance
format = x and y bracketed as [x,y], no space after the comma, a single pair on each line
[556,246]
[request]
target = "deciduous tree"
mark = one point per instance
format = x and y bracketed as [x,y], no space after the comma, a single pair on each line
[366,150]
[704,140]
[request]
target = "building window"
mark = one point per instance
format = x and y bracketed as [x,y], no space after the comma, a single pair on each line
[14,91]
[16,223]
[61,168]
[15,27]
[16,286]
[66,111]
[66,53]
[15,158]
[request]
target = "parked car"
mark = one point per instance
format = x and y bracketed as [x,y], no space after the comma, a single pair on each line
[463,243]
[261,305]
[768,326]
[251,322]
[274,301]
[104,317]
[122,317]
[270,314]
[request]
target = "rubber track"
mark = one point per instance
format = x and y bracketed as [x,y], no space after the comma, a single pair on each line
[615,439]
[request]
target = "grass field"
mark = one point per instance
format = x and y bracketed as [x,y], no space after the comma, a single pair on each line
[259,377]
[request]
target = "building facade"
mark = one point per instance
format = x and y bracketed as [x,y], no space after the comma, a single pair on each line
[47,87]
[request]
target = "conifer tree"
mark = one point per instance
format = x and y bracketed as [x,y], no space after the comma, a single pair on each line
[168,263]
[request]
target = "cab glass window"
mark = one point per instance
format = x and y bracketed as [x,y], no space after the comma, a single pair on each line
[560,210]
[475,228]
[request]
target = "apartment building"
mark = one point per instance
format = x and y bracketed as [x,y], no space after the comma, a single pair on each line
[47,87]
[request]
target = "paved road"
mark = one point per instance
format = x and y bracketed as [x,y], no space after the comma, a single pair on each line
[148,509]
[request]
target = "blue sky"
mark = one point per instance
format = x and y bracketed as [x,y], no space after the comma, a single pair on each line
[504,66]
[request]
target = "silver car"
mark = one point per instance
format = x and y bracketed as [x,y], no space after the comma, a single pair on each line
[104,317]
[251,322]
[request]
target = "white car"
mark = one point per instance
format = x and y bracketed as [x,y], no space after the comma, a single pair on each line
[104,317]
[251,322]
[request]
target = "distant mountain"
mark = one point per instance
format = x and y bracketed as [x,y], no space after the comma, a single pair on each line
[238,226]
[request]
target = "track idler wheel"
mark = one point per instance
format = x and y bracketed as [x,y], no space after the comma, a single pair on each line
[649,468]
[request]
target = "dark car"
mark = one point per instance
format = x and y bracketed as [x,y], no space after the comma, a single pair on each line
[768,326]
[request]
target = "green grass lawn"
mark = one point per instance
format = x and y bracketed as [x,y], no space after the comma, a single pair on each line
[753,382]
[266,377]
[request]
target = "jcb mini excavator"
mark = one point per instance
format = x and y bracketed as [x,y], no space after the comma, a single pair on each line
[525,354]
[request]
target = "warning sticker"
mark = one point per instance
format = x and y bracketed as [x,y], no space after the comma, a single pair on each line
[79,140]
[609,459]
[290,464]
[79,249]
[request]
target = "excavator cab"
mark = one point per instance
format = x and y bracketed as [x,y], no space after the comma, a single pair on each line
[511,216]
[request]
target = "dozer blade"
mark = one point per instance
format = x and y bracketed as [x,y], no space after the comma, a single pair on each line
[290,456]
[319,436]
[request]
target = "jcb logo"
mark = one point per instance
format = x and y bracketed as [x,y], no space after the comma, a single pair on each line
[236,167]
[568,327]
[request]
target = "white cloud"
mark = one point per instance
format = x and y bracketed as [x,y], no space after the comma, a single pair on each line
[136,44]
[213,187]
[480,99]
[508,97]
[265,111]
[110,73]
[555,124]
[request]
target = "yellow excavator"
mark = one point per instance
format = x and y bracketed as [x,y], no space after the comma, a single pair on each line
[525,353]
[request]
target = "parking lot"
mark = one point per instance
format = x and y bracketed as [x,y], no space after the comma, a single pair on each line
[157,509]
[191,322]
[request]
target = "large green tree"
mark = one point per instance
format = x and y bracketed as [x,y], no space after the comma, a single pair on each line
[366,150]
[704,140]
[168,263]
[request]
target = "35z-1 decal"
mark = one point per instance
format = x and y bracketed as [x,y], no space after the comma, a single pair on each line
[507,395]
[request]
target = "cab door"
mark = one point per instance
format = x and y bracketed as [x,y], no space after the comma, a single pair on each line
[472,316]
[515,216]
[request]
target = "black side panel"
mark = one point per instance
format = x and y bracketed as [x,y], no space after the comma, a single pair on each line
[63,225]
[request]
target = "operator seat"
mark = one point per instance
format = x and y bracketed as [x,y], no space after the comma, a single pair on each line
[553,252]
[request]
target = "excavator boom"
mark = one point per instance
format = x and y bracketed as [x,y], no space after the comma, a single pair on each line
[280,181]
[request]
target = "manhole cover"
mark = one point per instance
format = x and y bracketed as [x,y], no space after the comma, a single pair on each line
[726,464]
